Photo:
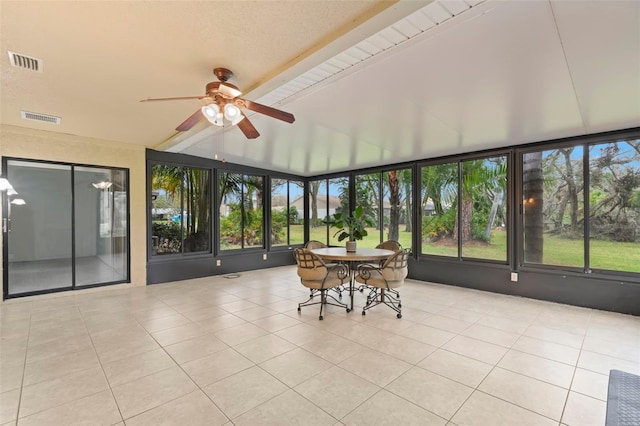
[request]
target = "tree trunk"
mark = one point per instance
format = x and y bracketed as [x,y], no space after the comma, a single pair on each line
[408,222]
[533,190]
[395,206]
[573,190]
[467,214]
[497,200]
[314,187]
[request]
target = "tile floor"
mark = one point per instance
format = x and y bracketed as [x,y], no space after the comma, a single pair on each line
[216,351]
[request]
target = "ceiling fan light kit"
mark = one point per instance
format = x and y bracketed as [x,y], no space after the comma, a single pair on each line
[223,102]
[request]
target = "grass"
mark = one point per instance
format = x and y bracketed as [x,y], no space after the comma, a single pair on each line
[558,251]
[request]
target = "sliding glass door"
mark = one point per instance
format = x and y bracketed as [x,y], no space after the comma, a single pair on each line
[66,226]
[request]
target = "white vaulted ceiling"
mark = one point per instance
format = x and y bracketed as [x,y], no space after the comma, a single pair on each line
[370,83]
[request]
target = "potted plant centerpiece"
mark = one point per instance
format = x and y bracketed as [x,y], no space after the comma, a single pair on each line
[351,226]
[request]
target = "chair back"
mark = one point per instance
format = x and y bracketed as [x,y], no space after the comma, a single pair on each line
[310,266]
[314,244]
[389,245]
[395,268]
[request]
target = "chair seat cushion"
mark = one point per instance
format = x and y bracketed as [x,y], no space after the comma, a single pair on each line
[393,277]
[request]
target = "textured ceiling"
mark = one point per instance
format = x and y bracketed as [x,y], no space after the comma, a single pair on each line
[498,73]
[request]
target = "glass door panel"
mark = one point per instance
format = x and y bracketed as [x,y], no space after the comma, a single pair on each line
[101,225]
[40,230]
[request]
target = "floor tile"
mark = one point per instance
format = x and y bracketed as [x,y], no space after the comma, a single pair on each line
[163,323]
[216,366]
[582,410]
[482,410]
[542,398]
[276,322]
[263,348]
[240,333]
[136,366]
[49,394]
[476,349]
[300,334]
[456,367]
[430,391]
[220,322]
[9,405]
[592,384]
[253,314]
[387,409]
[193,409]
[446,323]
[50,368]
[543,369]
[178,334]
[288,408]
[405,349]
[376,367]
[243,391]
[296,366]
[429,335]
[198,347]
[334,349]
[603,364]
[336,391]
[97,409]
[556,336]
[151,391]
[491,335]
[546,349]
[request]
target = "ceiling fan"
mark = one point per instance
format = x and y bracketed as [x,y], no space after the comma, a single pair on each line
[222,101]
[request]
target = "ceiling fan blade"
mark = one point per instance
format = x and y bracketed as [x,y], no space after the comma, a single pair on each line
[266,110]
[191,121]
[229,90]
[180,98]
[247,128]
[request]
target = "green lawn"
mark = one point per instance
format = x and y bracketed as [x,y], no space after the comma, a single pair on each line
[559,251]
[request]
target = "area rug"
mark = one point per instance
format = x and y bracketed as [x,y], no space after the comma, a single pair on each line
[623,399]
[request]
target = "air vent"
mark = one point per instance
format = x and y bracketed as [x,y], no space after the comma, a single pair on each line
[23,61]
[40,117]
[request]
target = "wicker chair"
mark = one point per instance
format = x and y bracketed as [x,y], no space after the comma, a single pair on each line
[316,275]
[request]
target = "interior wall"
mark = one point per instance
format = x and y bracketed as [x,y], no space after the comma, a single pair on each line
[25,143]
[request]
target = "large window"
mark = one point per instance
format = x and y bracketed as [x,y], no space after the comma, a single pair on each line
[386,198]
[181,210]
[241,211]
[553,207]
[464,205]
[614,206]
[483,209]
[327,197]
[287,212]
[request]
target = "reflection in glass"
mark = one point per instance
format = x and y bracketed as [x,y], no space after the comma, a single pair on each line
[553,207]
[614,206]
[439,186]
[484,209]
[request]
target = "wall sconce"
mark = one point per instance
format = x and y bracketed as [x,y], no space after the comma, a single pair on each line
[18,202]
